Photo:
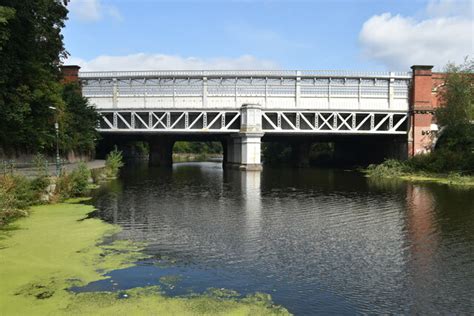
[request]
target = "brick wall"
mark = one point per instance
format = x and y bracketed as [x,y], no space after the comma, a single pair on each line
[425,89]
[70,73]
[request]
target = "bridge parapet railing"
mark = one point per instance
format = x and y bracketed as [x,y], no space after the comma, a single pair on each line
[230,89]
[243,73]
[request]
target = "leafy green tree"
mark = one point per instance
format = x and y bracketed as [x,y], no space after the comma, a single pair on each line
[456,111]
[31,47]
[5,15]
[78,131]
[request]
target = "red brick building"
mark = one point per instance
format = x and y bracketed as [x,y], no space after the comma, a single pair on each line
[424,100]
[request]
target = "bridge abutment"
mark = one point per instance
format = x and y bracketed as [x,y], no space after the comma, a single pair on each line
[161,151]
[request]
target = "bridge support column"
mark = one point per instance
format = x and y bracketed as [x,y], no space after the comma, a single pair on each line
[161,151]
[250,137]
[250,151]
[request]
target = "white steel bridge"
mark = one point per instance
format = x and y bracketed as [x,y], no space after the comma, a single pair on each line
[249,103]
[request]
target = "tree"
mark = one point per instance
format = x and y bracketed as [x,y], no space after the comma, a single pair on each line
[80,121]
[31,47]
[5,15]
[456,111]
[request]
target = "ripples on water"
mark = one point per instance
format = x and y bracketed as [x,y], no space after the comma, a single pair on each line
[318,241]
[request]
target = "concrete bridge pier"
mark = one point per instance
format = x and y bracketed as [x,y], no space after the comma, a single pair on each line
[250,137]
[243,150]
[250,148]
[161,151]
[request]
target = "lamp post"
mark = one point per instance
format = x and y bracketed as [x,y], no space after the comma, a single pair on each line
[58,159]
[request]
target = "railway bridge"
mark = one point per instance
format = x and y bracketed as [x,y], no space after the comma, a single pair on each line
[241,108]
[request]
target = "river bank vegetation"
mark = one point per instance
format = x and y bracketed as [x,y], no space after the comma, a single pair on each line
[451,160]
[18,192]
[184,151]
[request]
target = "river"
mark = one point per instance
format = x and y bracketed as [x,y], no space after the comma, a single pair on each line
[316,240]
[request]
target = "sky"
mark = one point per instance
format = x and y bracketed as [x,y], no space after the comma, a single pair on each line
[368,35]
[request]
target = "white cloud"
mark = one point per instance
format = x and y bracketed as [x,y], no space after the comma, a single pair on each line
[446,8]
[142,61]
[93,10]
[399,42]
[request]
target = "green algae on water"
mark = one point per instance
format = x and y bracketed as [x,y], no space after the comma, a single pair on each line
[58,247]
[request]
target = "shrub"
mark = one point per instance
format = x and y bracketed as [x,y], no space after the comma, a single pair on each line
[80,180]
[41,165]
[113,163]
[17,193]
[443,161]
[74,184]
[390,167]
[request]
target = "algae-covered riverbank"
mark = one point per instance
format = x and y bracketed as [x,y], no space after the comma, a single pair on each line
[58,247]
[404,170]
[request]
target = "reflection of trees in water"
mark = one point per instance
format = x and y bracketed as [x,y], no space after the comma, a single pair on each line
[386,184]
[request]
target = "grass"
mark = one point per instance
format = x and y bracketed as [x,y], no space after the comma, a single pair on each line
[58,247]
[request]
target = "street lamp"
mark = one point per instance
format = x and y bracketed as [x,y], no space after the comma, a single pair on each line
[56,127]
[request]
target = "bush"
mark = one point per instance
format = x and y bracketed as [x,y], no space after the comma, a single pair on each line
[17,193]
[74,184]
[80,180]
[443,161]
[389,168]
[113,163]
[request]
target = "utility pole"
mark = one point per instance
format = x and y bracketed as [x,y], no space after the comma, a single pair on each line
[58,158]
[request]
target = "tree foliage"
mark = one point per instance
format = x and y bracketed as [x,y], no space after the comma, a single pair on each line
[78,131]
[198,147]
[31,46]
[457,104]
[456,111]
[5,15]
[31,49]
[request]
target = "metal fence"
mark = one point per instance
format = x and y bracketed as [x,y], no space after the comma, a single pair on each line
[29,169]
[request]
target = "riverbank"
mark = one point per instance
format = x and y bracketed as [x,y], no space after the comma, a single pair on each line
[191,157]
[58,247]
[394,169]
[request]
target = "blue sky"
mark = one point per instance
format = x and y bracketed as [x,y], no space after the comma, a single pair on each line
[340,34]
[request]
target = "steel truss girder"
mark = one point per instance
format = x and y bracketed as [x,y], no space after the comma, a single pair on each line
[334,122]
[187,121]
[273,121]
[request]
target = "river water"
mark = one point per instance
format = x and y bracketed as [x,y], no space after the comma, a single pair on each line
[318,241]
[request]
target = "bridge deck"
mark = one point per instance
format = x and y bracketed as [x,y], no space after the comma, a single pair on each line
[210,101]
